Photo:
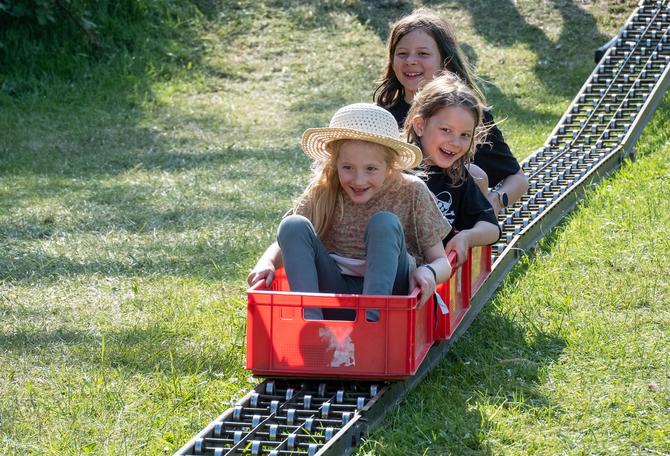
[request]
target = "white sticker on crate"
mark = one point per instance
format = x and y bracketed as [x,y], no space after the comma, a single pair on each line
[339,341]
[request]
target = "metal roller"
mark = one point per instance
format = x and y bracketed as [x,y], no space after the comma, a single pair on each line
[273,431]
[325,409]
[290,417]
[274,406]
[237,413]
[254,399]
[290,441]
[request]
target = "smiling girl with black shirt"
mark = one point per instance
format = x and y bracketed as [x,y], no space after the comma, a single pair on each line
[445,121]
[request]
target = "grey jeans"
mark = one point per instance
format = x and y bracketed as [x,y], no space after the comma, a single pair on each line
[310,268]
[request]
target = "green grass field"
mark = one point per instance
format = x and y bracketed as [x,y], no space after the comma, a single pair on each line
[137,192]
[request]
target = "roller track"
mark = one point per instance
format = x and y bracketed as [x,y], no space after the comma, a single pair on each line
[594,136]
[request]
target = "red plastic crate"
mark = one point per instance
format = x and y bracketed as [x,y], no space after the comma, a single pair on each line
[280,342]
[455,293]
[480,266]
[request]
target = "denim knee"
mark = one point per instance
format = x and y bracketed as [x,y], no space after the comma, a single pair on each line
[293,226]
[385,225]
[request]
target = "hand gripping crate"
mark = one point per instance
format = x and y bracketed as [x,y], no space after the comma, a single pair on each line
[282,343]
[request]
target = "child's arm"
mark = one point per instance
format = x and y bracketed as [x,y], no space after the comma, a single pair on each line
[483,233]
[480,177]
[266,266]
[496,159]
[423,276]
[515,185]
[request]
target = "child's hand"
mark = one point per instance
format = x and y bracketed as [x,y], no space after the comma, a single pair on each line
[264,270]
[424,279]
[460,244]
[495,202]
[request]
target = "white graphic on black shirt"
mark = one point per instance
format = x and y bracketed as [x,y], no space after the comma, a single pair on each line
[444,203]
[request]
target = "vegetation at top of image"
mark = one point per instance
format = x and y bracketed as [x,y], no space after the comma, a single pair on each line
[47,41]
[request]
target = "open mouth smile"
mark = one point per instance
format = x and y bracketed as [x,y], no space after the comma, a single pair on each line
[412,75]
[447,153]
[359,191]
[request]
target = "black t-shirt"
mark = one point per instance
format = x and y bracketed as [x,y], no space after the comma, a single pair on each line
[494,156]
[464,205]
[399,111]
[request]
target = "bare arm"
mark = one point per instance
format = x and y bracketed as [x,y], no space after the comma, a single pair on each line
[266,266]
[515,185]
[480,177]
[483,233]
[423,277]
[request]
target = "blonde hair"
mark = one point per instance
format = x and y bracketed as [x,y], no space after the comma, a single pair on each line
[444,91]
[324,189]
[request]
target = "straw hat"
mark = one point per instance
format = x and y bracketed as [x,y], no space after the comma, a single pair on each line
[364,122]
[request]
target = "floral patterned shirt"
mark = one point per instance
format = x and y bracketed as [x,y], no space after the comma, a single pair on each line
[406,196]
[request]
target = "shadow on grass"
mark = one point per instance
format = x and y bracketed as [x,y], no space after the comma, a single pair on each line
[377,15]
[208,213]
[155,348]
[507,27]
[555,59]
[496,365]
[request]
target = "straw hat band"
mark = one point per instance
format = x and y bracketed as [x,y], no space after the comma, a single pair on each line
[364,122]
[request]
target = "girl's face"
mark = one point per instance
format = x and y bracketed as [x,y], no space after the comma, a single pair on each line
[446,136]
[362,169]
[416,60]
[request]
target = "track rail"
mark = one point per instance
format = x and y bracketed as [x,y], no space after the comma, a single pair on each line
[594,136]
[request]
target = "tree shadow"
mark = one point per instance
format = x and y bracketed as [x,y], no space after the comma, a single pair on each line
[377,15]
[378,18]
[555,58]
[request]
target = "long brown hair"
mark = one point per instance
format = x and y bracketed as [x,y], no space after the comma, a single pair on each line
[324,190]
[444,91]
[389,91]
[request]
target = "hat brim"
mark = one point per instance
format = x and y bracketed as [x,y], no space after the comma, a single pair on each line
[315,140]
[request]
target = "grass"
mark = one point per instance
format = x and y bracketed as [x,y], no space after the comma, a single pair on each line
[134,198]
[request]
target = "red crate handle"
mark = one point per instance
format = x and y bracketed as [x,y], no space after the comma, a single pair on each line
[452,256]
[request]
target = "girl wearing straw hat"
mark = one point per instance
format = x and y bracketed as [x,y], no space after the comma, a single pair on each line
[362,225]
